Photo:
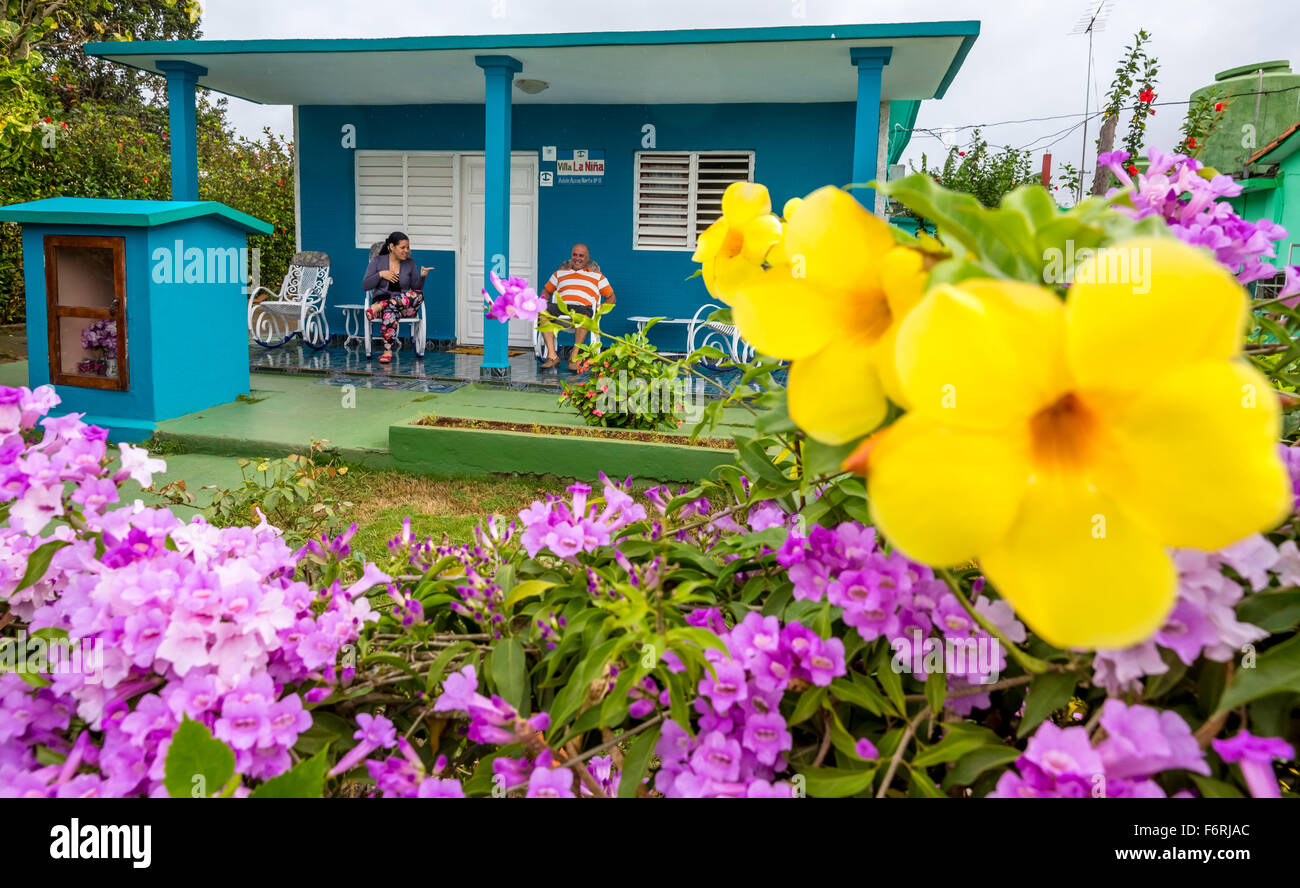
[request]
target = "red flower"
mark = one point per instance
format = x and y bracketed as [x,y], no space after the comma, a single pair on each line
[47,120]
[1132,168]
[1147,96]
[1192,141]
[1218,106]
[279,181]
[961,153]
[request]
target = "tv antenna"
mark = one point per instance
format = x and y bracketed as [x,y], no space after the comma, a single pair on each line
[1092,21]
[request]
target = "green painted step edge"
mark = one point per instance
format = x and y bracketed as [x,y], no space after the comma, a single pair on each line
[451,451]
[220,445]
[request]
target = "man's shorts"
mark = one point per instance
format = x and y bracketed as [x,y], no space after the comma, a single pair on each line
[559,310]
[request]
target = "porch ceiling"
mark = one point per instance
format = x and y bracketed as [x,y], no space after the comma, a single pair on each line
[788,64]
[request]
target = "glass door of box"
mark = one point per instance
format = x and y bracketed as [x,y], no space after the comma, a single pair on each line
[85,285]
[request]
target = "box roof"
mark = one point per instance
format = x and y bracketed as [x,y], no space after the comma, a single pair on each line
[130,213]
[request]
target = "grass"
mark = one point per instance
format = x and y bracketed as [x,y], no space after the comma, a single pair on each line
[437,505]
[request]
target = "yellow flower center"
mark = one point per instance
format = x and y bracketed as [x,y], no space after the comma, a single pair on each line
[732,244]
[869,314]
[1063,434]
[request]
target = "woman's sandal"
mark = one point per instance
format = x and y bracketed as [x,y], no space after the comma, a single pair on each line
[386,358]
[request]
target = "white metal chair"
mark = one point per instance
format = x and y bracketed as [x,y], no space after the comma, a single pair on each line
[419,323]
[539,342]
[419,326]
[298,309]
[725,337]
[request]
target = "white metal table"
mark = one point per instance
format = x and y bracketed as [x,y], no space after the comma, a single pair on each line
[354,322]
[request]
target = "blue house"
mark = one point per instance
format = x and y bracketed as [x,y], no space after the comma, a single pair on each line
[498,153]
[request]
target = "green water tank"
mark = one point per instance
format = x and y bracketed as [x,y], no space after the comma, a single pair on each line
[1247,124]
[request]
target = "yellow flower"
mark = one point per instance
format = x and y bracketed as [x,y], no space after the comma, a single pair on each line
[830,299]
[1067,445]
[743,235]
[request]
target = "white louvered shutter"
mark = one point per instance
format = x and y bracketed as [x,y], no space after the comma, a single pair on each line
[679,194]
[663,202]
[713,173]
[381,196]
[412,192]
[430,210]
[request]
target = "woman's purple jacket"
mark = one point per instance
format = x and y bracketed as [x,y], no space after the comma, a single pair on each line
[408,273]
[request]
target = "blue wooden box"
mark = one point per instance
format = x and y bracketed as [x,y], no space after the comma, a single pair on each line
[161,284]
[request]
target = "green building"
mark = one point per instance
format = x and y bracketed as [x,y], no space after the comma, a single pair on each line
[1273,192]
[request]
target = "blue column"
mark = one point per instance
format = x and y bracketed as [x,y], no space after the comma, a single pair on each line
[870,62]
[498,72]
[182,78]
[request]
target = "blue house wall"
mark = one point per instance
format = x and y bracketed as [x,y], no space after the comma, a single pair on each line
[797,147]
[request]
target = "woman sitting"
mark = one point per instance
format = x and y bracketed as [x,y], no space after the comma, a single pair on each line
[398,288]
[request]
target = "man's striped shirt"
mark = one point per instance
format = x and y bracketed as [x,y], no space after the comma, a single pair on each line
[583,287]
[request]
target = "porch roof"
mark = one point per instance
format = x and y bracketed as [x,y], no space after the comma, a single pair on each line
[807,63]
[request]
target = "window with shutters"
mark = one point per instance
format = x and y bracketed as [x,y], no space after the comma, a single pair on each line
[409,191]
[678,194]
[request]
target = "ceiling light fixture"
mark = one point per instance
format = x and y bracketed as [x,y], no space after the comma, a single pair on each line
[532,87]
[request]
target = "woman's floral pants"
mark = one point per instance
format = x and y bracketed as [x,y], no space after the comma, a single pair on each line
[395,308]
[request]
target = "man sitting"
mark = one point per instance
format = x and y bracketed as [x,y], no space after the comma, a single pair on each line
[577,287]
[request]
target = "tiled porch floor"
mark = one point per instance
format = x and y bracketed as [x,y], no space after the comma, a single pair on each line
[434,372]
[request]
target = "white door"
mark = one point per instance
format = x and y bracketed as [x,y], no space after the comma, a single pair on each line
[523,243]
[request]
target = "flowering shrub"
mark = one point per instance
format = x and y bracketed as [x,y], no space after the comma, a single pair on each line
[885,596]
[171,623]
[628,386]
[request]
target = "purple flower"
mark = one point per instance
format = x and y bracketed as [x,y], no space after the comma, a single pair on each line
[1255,757]
[729,685]
[1141,741]
[766,736]
[550,783]
[717,757]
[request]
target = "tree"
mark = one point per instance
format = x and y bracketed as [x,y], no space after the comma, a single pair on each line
[75,125]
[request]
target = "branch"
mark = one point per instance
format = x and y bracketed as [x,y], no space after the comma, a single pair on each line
[902,747]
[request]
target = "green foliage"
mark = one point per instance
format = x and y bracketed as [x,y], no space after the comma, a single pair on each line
[1134,75]
[74,125]
[198,765]
[974,169]
[629,385]
[292,493]
[1203,117]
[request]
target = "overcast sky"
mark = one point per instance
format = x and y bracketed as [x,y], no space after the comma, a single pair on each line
[1025,64]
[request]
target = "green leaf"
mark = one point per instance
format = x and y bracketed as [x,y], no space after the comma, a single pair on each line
[1276,670]
[198,765]
[859,691]
[936,690]
[976,762]
[636,761]
[305,780]
[836,783]
[38,563]
[890,680]
[509,672]
[922,787]
[809,702]
[1271,611]
[1216,789]
[962,738]
[527,589]
[1048,692]
[439,666]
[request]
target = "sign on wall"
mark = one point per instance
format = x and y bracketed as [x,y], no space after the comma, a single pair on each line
[580,166]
